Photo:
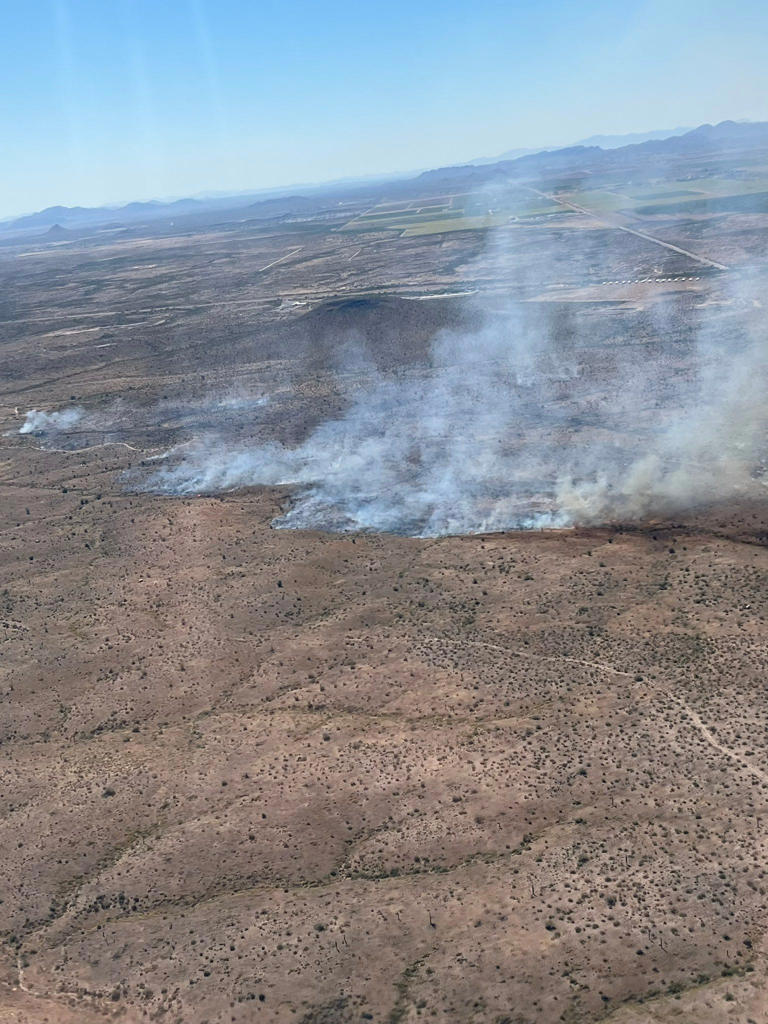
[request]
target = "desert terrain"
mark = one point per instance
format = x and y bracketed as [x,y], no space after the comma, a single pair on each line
[258,774]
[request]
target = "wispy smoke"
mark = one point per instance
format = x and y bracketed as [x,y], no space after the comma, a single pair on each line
[713,447]
[430,453]
[120,421]
[38,422]
[523,422]
[507,429]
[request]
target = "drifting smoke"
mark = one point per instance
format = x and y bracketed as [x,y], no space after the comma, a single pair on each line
[38,422]
[504,432]
[429,454]
[118,421]
[713,448]
[521,423]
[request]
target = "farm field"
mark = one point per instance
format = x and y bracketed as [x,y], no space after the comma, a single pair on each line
[742,193]
[698,196]
[456,213]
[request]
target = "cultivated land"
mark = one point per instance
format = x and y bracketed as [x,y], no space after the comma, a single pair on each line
[261,775]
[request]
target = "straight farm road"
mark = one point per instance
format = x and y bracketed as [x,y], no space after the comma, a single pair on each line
[611,222]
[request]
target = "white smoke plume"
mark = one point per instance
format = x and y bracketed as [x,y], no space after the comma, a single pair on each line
[517,424]
[504,431]
[38,422]
[430,453]
[119,420]
[713,448]
[710,441]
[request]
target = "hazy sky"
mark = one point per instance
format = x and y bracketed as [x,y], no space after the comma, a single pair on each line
[112,100]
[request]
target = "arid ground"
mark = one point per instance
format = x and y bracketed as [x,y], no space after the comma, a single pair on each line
[251,774]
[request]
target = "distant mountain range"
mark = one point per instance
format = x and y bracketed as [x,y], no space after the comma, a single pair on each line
[706,140]
[604,141]
[650,151]
[631,139]
[77,218]
[85,215]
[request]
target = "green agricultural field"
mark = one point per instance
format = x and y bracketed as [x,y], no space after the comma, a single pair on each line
[389,216]
[392,214]
[600,200]
[727,186]
[680,193]
[467,212]
[700,195]
[458,223]
[518,203]
[395,221]
[746,202]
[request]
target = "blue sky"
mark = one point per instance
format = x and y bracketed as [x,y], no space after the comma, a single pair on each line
[113,100]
